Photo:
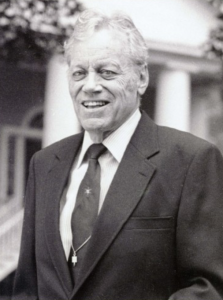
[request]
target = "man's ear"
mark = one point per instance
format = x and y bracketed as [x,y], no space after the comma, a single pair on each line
[143,80]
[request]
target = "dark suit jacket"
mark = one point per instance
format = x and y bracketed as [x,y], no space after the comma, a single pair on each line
[159,235]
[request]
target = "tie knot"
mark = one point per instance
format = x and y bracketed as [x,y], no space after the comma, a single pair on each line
[95,151]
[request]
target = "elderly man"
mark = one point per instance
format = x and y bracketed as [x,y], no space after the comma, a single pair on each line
[125,210]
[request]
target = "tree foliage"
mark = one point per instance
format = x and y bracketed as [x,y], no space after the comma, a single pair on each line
[30,31]
[215,44]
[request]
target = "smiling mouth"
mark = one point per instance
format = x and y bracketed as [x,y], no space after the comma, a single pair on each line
[94,104]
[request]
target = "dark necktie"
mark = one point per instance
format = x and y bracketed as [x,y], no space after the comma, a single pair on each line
[87,203]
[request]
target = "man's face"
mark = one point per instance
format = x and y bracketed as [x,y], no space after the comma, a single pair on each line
[103,83]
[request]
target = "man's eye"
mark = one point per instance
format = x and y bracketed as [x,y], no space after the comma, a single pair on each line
[107,74]
[78,75]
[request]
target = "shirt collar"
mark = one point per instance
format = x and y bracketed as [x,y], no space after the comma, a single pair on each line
[116,142]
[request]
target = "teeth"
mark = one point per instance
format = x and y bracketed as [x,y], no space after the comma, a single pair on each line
[94,103]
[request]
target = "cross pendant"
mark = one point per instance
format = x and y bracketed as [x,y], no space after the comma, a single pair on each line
[74,259]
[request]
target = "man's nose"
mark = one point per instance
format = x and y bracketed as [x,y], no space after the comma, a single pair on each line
[91,84]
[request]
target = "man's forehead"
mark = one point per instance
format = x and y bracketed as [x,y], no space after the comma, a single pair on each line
[95,51]
[98,53]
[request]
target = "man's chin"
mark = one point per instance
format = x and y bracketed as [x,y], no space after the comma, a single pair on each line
[94,124]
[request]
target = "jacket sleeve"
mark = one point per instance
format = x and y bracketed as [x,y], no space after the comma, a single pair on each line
[25,285]
[199,237]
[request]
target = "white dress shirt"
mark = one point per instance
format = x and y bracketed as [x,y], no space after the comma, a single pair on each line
[116,143]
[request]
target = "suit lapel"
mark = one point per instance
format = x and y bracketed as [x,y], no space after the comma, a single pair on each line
[56,180]
[126,190]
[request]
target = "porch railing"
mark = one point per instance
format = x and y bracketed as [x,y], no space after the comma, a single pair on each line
[11,218]
[12,184]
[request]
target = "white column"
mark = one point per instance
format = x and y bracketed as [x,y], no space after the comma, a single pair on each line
[173,99]
[19,169]
[60,119]
[4,160]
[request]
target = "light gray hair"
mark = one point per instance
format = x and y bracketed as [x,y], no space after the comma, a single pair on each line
[91,21]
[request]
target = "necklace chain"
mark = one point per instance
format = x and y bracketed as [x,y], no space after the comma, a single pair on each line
[74,256]
[82,245]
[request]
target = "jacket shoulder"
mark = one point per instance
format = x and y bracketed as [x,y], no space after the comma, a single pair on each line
[180,141]
[59,148]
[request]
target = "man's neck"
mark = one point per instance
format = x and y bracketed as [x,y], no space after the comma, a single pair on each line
[98,136]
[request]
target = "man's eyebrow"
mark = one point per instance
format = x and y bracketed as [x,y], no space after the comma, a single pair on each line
[101,63]
[77,65]
[106,61]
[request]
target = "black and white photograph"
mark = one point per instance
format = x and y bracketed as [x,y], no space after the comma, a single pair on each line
[111,144]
